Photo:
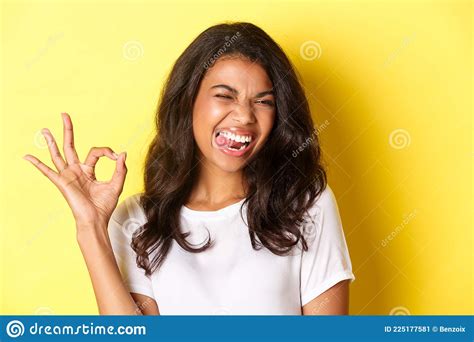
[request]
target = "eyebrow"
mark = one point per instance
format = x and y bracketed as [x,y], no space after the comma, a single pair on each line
[236,92]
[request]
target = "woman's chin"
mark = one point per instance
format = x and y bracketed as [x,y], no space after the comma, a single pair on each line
[230,167]
[229,164]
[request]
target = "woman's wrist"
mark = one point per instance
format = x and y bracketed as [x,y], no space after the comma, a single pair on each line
[93,235]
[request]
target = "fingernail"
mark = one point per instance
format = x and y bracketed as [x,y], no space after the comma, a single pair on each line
[25,157]
[115,155]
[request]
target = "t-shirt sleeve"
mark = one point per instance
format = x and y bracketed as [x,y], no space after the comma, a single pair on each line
[126,218]
[327,260]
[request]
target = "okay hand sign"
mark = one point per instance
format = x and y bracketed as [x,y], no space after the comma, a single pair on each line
[92,202]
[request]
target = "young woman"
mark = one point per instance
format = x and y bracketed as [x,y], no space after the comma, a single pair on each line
[232,220]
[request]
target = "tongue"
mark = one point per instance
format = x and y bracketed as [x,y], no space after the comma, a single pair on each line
[222,141]
[235,144]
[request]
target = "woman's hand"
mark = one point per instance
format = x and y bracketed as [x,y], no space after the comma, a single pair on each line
[92,202]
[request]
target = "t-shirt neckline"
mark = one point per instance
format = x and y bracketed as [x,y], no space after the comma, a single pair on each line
[211,213]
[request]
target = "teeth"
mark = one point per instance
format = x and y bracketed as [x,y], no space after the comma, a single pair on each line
[236,137]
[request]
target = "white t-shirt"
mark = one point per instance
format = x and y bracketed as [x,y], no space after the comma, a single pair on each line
[231,277]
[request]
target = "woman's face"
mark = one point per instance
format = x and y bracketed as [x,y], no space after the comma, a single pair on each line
[233,113]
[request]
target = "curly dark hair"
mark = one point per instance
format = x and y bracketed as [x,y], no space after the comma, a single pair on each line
[282,184]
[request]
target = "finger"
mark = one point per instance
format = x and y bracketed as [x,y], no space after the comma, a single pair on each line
[118,179]
[68,144]
[96,153]
[56,156]
[45,170]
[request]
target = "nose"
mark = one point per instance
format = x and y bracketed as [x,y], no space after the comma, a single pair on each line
[243,114]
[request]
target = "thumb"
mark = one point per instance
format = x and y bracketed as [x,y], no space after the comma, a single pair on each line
[118,179]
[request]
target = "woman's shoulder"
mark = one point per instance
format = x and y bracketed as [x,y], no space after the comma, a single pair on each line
[129,208]
[127,217]
[324,218]
[326,201]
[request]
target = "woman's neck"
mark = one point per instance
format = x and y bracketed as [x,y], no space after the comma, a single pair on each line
[216,188]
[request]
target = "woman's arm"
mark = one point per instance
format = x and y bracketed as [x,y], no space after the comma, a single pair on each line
[334,301]
[92,203]
[111,294]
[146,304]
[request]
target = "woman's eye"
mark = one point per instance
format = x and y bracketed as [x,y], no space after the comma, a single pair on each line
[267,102]
[224,96]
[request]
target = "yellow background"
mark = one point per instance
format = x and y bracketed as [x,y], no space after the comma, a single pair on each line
[392,79]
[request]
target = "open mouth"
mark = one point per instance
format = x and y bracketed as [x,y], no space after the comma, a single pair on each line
[232,143]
